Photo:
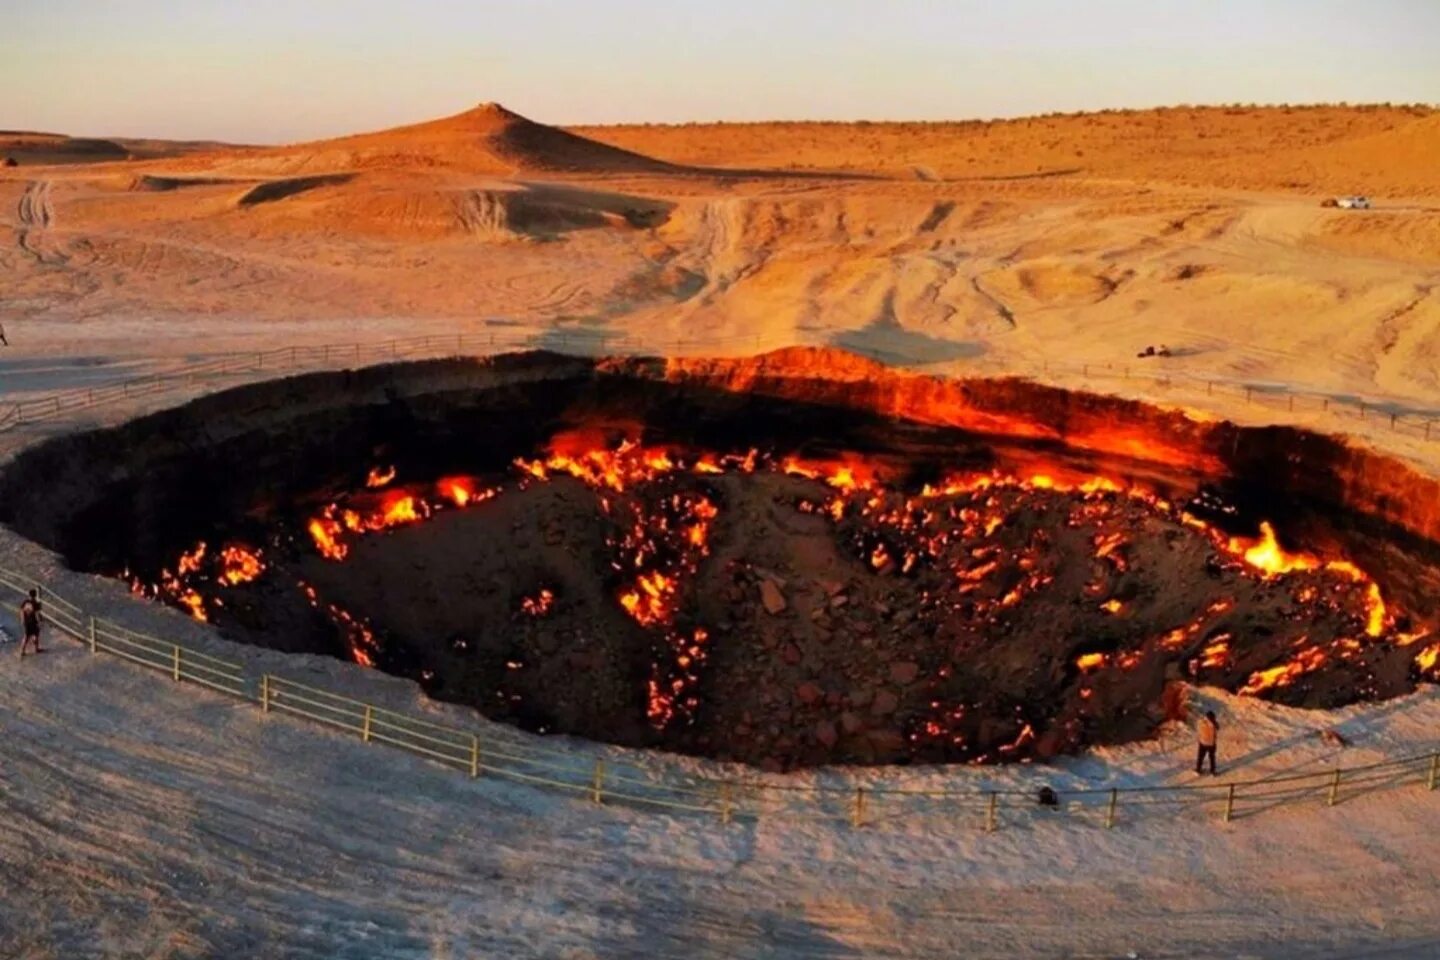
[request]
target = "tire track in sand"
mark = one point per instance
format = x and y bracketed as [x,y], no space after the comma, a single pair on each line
[36,212]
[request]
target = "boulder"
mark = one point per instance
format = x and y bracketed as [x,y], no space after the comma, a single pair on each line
[825,733]
[808,693]
[885,703]
[904,671]
[771,597]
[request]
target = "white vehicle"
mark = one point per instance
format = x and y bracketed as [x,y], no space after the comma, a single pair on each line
[1353,203]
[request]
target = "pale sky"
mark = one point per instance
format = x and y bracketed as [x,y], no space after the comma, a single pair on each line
[267,71]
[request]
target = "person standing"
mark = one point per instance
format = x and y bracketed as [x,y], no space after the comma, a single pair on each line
[1207,734]
[30,622]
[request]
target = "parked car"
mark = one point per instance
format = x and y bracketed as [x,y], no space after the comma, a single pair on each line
[1353,203]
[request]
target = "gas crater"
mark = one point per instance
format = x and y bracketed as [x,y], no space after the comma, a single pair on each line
[791,560]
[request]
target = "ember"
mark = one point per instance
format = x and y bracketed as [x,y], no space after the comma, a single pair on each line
[961,569]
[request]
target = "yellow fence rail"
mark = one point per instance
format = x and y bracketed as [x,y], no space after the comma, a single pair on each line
[594,777]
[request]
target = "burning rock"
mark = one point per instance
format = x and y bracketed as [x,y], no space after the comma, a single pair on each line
[1047,611]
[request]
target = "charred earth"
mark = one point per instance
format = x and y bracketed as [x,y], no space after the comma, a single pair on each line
[793,560]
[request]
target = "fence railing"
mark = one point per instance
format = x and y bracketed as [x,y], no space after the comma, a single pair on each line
[1397,414]
[605,777]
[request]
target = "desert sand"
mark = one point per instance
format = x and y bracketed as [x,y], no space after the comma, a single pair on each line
[164,822]
[1076,238]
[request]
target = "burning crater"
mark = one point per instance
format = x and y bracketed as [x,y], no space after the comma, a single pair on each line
[792,560]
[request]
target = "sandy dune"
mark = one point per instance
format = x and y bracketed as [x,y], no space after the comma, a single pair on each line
[1077,238]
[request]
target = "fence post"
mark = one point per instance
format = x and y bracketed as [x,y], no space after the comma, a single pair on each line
[1209,387]
[1434,770]
[1110,813]
[369,716]
[1362,409]
[597,794]
[1292,403]
[857,816]
[725,802]
[991,818]
[1334,789]
[265,693]
[1325,404]
[1392,420]
[474,756]
[1247,394]
[92,635]
[1230,803]
[176,667]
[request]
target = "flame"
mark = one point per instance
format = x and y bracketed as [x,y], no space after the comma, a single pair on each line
[325,532]
[538,605]
[194,603]
[1427,660]
[239,564]
[379,476]
[1091,661]
[1266,555]
[1306,660]
[190,562]
[359,638]
[462,491]
[1217,652]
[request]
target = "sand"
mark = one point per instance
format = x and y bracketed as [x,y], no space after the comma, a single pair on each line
[162,822]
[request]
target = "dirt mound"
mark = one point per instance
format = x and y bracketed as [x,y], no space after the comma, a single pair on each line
[150,183]
[280,189]
[1050,284]
[54,148]
[485,140]
[401,205]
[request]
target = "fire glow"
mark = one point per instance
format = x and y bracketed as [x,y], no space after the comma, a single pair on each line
[662,510]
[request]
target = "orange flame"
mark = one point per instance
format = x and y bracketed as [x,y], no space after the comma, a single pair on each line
[240,564]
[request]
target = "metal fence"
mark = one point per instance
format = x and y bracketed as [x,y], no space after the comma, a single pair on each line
[853,797]
[600,776]
[1159,374]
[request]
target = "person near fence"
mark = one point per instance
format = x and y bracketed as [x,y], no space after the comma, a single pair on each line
[1207,734]
[30,617]
[3,340]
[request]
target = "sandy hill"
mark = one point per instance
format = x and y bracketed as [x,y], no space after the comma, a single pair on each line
[487,139]
[1375,149]
[30,148]
[27,147]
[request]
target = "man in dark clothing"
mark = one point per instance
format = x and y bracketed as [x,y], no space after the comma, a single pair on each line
[30,622]
[1207,733]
